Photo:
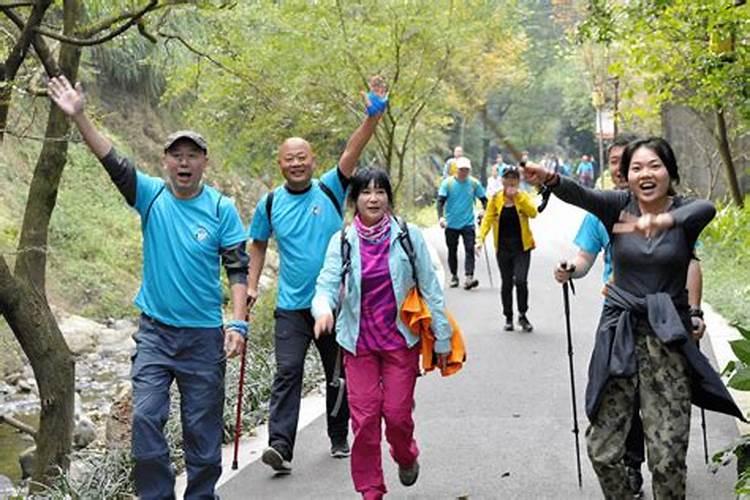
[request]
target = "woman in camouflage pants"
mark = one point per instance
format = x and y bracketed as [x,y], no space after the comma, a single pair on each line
[643,348]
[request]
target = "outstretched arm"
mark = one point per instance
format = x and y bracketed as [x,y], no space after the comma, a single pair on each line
[375,99]
[71,101]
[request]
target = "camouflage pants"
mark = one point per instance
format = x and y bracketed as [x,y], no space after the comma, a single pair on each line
[664,388]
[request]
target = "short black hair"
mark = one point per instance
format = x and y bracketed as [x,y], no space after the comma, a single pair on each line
[510,172]
[362,179]
[659,146]
[621,141]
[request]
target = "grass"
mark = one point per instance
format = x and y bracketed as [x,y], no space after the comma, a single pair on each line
[726,263]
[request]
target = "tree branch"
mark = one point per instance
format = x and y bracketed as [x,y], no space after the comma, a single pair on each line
[18,425]
[133,18]
[40,46]
[11,5]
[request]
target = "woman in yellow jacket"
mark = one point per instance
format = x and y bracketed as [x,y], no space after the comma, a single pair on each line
[508,215]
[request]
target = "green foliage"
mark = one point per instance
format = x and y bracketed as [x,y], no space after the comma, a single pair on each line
[94,260]
[678,51]
[271,80]
[726,253]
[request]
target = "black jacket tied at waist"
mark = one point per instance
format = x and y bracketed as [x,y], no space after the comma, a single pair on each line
[614,348]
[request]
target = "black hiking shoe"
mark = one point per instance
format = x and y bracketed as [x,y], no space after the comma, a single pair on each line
[508,325]
[470,282]
[340,449]
[453,282]
[408,475]
[523,322]
[635,481]
[274,459]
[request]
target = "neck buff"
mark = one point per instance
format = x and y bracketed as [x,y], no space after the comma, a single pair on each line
[375,233]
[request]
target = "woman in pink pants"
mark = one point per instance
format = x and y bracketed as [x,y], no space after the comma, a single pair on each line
[367,275]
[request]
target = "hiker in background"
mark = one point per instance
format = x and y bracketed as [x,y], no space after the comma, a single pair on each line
[643,347]
[455,206]
[381,354]
[508,215]
[302,215]
[585,172]
[495,181]
[450,168]
[188,230]
[592,238]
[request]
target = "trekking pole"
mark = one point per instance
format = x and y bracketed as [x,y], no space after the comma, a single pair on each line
[489,269]
[238,417]
[703,424]
[486,256]
[566,304]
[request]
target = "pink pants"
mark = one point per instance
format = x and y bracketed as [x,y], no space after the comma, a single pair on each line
[380,385]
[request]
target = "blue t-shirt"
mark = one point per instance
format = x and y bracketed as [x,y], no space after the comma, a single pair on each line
[182,243]
[459,201]
[592,238]
[303,224]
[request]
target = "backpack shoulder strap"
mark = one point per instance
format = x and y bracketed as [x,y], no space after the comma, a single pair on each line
[332,197]
[218,206]
[151,204]
[405,240]
[269,207]
[346,255]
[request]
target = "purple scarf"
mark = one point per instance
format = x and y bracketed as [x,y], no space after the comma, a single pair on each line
[375,233]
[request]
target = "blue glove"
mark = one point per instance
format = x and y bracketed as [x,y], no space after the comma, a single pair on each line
[377,104]
[239,326]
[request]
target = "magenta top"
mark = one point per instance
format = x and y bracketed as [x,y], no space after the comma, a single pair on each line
[377,326]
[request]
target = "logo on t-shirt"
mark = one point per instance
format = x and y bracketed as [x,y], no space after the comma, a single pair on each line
[316,209]
[201,233]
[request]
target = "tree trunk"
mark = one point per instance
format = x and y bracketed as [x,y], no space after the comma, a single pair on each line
[726,158]
[23,300]
[29,316]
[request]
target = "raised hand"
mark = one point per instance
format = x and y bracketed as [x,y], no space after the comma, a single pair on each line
[376,99]
[536,174]
[69,99]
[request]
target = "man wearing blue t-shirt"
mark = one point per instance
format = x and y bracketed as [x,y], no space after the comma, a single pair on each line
[302,215]
[188,229]
[455,205]
[592,238]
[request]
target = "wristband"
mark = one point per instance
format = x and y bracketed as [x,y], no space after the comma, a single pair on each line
[696,312]
[377,104]
[240,326]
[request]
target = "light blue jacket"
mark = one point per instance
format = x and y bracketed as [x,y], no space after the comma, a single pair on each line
[347,324]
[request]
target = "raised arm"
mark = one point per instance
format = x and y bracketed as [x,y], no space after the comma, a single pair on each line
[72,101]
[606,205]
[376,101]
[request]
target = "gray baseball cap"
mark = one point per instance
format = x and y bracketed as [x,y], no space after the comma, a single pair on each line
[186,134]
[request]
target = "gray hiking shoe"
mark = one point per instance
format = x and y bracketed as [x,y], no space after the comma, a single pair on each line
[340,449]
[453,282]
[523,322]
[408,475]
[470,282]
[274,459]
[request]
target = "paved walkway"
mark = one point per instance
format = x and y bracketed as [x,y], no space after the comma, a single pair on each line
[502,427]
